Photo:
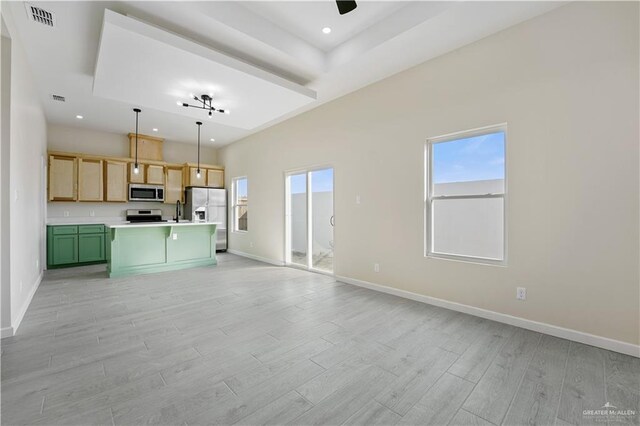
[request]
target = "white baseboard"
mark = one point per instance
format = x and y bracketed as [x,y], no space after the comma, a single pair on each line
[6,332]
[14,328]
[254,257]
[553,330]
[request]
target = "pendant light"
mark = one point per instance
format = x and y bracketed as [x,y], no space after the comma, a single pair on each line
[136,168]
[199,123]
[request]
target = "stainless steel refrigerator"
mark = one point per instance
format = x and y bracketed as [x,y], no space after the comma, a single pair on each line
[208,205]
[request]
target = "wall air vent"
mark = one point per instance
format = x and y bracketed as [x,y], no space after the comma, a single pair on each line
[58,98]
[42,16]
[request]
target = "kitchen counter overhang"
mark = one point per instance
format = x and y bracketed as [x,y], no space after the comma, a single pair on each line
[142,248]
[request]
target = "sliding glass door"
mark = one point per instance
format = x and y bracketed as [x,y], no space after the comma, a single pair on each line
[310,219]
[298,241]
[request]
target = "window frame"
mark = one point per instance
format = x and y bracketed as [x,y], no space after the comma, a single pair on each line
[234,204]
[429,197]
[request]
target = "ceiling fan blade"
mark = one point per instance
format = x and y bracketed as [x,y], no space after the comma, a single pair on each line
[346,6]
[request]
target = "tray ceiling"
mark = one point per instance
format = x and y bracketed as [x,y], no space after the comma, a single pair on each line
[266,61]
[147,66]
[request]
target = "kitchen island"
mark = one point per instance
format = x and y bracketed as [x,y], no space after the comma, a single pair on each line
[142,248]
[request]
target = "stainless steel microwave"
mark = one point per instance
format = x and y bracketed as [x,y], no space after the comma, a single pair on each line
[139,192]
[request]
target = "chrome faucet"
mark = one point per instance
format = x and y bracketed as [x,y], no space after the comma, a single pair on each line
[177,211]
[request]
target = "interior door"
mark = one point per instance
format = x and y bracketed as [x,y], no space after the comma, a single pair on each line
[310,219]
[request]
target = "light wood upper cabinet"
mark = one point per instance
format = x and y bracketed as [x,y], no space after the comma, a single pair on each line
[136,178]
[115,181]
[148,173]
[155,174]
[210,177]
[173,187]
[215,178]
[149,148]
[194,180]
[87,177]
[62,178]
[90,185]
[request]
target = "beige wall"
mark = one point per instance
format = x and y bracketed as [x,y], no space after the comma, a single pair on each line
[5,161]
[25,187]
[567,85]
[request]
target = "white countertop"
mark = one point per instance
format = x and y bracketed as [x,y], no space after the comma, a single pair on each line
[85,220]
[156,224]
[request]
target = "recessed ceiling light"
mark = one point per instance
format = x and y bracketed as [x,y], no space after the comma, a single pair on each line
[326,30]
[79,117]
[155,130]
[212,140]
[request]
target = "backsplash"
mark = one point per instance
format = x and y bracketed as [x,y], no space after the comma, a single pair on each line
[101,212]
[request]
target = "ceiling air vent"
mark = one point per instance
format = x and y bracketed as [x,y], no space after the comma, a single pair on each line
[37,14]
[58,98]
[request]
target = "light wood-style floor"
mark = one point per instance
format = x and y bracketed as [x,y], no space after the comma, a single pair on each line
[250,343]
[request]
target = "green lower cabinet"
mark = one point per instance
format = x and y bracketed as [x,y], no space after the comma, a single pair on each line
[65,249]
[91,247]
[73,245]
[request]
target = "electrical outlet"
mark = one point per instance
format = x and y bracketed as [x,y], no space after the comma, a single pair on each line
[376,267]
[38,264]
[251,244]
[15,195]
[521,293]
[92,213]
[175,236]
[66,213]
[357,199]
[20,286]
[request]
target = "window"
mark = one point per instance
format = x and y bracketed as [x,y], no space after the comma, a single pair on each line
[240,197]
[465,195]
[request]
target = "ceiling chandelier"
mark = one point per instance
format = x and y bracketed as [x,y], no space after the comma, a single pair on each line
[205,103]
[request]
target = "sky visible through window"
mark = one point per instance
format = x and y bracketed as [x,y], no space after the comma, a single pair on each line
[241,188]
[469,159]
[321,181]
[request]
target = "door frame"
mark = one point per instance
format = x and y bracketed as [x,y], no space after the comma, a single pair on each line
[287,218]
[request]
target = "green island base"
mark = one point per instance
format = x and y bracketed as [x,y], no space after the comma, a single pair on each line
[145,249]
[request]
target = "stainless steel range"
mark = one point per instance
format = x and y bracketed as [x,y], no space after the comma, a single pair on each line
[138,216]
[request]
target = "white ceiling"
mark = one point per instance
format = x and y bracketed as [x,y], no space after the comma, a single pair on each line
[254,53]
[306,19]
[146,66]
